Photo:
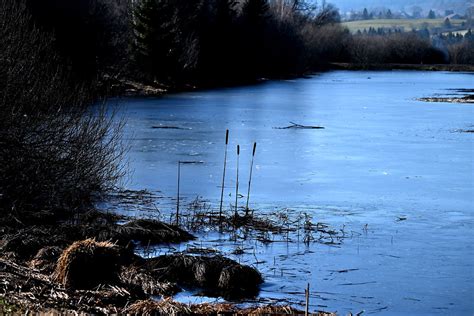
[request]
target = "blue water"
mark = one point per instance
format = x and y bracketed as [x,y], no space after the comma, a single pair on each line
[382,156]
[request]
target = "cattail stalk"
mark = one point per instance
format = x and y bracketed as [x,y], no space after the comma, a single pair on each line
[177,200]
[250,179]
[237,181]
[223,174]
[307,300]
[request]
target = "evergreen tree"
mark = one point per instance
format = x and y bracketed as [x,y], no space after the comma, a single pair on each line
[254,16]
[165,45]
[153,36]
[217,37]
[431,15]
[447,23]
[365,14]
[389,14]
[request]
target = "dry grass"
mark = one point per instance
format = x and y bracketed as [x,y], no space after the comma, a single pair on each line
[34,291]
[237,279]
[218,275]
[164,307]
[45,259]
[213,309]
[150,285]
[88,263]
[170,307]
[152,231]
[23,243]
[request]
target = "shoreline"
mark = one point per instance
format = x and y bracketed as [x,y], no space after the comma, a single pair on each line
[415,67]
[124,87]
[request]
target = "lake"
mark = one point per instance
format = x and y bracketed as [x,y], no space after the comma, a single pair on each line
[396,174]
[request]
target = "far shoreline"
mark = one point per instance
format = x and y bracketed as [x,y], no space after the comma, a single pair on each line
[387,67]
[125,87]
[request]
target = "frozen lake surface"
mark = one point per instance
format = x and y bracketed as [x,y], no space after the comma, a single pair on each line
[395,173]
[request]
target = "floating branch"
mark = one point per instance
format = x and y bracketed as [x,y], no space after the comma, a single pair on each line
[299,126]
[466,99]
[169,127]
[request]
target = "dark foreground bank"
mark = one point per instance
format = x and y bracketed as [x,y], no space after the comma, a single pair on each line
[87,264]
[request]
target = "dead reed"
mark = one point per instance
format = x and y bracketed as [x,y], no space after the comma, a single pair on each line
[223,174]
[250,178]
[237,182]
[170,307]
[177,198]
[165,307]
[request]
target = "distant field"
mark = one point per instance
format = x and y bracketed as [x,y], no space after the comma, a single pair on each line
[405,24]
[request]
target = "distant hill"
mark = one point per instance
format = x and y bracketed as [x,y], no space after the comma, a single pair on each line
[458,6]
[403,24]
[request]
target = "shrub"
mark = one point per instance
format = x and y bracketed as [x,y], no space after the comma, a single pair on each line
[403,48]
[56,152]
[462,53]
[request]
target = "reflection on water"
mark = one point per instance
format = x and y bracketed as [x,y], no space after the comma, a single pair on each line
[392,169]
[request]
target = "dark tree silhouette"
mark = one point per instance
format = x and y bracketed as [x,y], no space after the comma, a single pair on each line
[56,154]
[431,15]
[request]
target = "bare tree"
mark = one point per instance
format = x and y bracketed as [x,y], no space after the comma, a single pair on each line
[328,14]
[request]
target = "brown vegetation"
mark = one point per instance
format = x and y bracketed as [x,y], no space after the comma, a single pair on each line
[88,263]
[164,307]
[217,275]
[27,289]
[52,266]
[151,231]
[24,243]
[170,307]
[141,278]
[46,258]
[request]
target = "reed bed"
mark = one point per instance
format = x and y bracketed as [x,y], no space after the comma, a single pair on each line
[280,225]
[288,225]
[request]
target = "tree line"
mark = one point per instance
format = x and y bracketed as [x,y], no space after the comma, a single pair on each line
[205,42]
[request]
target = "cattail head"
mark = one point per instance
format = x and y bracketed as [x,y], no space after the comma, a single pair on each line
[227,137]
[238,150]
[254,148]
